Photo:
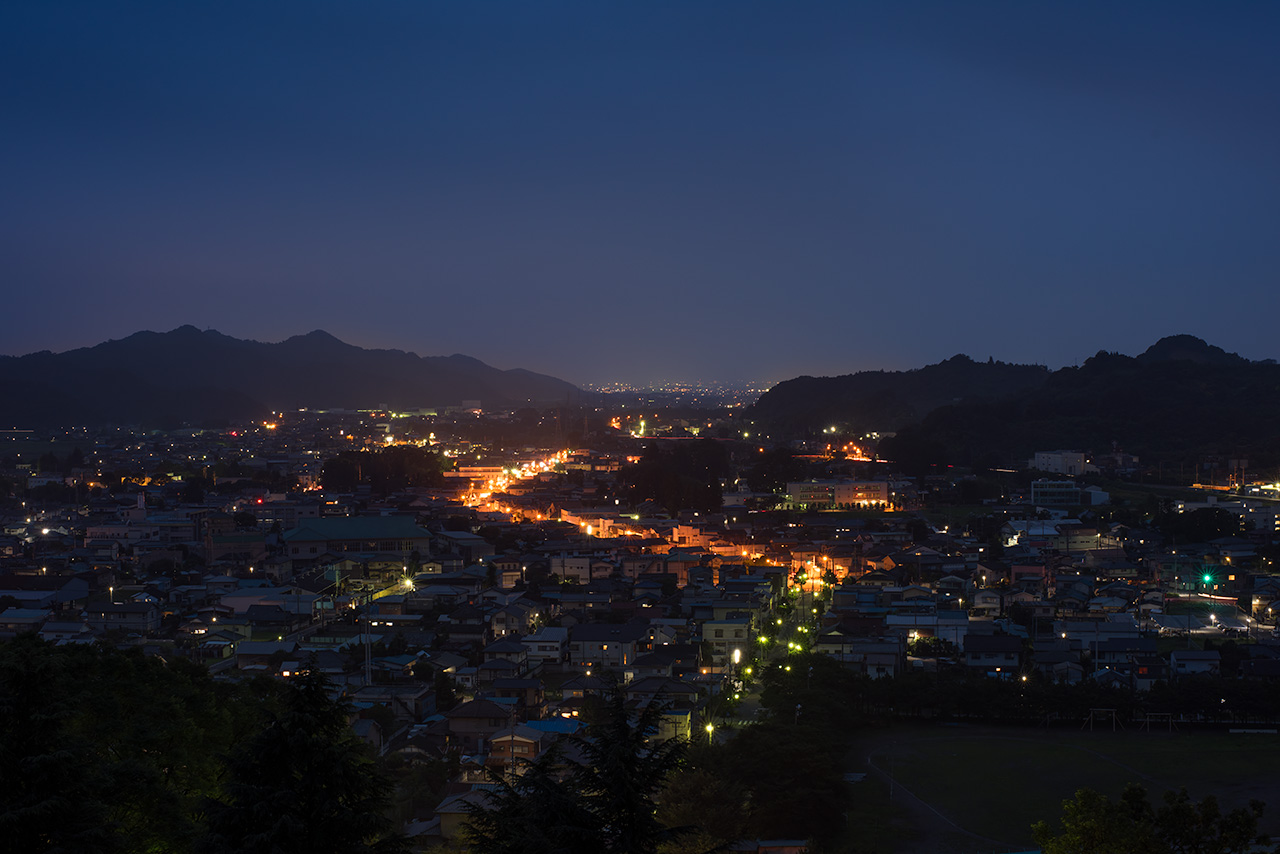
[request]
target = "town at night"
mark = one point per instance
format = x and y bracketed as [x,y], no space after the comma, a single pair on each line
[668,428]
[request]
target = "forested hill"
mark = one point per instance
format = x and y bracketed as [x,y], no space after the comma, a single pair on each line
[187,375]
[890,400]
[1180,399]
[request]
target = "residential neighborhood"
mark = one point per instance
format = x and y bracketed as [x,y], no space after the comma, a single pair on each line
[483,614]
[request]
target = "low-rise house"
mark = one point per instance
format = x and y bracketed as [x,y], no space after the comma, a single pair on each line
[879,578]
[993,653]
[140,617]
[512,746]
[950,626]
[473,723]
[853,598]
[258,655]
[1147,670]
[466,623]
[1087,634]
[661,690]
[1119,653]
[1108,678]
[605,645]
[455,810]
[470,547]
[271,621]
[727,636]
[67,631]
[987,603]
[1107,605]
[409,703]
[875,657]
[512,619]
[574,694]
[528,693]
[18,621]
[1068,672]
[44,591]
[394,668]
[912,596]
[667,630]
[990,571]
[1049,653]
[511,649]
[1188,662]
[497,668]
[660,662]
[218,645]
[194,629]
[548,647]
[951,587]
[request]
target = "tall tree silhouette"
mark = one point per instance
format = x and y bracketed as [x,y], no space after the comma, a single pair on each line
[304,783]
[604,803]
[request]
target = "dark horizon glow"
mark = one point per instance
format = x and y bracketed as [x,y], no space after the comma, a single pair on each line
[665,191]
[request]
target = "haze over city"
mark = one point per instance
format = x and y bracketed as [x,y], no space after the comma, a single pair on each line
[665,191]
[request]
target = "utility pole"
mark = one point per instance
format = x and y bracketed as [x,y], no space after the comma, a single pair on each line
[368,652]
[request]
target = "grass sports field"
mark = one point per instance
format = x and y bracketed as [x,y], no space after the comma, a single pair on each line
[966,789]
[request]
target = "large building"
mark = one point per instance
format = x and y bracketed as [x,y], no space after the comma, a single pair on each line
[1065,493]
[362,534]
[1072,463]
[837,494]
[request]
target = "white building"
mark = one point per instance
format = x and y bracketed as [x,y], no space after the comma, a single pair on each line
[1071,463]
[837,493]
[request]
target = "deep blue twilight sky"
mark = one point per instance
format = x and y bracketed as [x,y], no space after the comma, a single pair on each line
[645,191]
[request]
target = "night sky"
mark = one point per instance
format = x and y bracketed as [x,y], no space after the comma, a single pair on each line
[645,191]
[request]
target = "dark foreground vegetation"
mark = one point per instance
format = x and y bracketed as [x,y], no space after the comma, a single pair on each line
[1094,824]
[111,751]
[108,751]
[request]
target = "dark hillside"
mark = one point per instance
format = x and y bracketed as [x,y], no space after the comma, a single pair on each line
[189,375]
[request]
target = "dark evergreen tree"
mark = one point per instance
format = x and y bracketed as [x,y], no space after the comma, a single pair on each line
[623,771]
[304,783]
[102,750]
[536,812]
[603,804]
[341,473]
[52,796]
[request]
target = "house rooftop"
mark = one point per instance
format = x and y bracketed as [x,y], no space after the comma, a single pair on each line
[357,528]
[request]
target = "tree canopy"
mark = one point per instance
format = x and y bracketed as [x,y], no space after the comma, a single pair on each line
[678,475]
[386,470]
[1092,823]
[304,782]
[603,803]
[114,751]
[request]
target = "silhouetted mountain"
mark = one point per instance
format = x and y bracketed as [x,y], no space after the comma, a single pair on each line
[192,376]
[1182,398]
[889,400]
[1188,348]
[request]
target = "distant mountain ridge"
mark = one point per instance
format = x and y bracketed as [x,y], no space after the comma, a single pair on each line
[1181,397]
[1188,348]
[189,375]
[889,400]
